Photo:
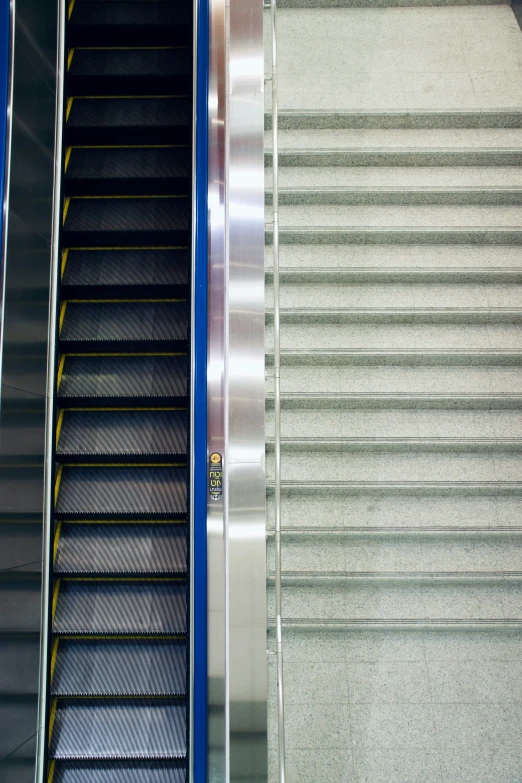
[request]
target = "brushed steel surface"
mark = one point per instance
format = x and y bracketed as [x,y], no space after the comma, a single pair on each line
[236,521]
[245,396]
[216,539]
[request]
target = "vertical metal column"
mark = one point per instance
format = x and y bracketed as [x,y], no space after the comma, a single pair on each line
[236,519]
[277,403]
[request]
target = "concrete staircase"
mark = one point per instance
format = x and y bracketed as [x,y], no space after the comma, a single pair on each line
[401,271]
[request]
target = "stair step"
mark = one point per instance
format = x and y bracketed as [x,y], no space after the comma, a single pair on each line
[134,171]
[99,274]
[124,326]
[122,492]
[396,401]
[414,119]
[347,445]
[119,668]
[130,23]
[115,608]
[386,196]
[398,235]
[399,156]
[419,489]
[378,276]
[416,358]
[143,120]
[119,729]
[452,140]
[117,71]
[127,222]
[108,435]
[136,771]
[397,315]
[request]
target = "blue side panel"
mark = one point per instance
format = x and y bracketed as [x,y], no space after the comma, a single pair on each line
[4,75]
[200,402]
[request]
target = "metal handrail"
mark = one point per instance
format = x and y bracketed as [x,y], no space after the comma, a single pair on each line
[277,401]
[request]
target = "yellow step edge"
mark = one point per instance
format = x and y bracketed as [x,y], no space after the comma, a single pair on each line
[59,426]
[63,308]
[69,106]
[65,209]
[53,658]
[52,716]
[60,371]
[56,540]
[65,255]
[57,483]
[50,776]
[67,157]
[70,57]
[56,592]
[71,6]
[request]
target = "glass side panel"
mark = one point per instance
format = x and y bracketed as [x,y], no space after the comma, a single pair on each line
[400,153]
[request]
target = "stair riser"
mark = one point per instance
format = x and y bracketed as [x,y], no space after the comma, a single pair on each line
[366,157]
[397,236]
[406,198]
[319,120]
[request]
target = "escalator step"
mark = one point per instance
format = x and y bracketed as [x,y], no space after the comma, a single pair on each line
[94,171]
[94,273]
[131,380]
[99,607]
[122,433]
[129,23]
[149,120]
[119,772]
[127,222]
[131,326]
[121,549]
[120,668]
[122,492]
[115,71]
[117,729]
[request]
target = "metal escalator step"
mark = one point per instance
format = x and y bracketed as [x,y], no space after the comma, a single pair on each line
[150,120]
[119,729]
[116,71]
[120,668]
[103,273]
[123,380]
[129,23]
[122,492]
[91,608]
[109,434]
[119,772]
[131,326]
[133,171]
[130,222]
[118,549]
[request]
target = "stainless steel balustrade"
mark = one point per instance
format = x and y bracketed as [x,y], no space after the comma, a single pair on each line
[277,404]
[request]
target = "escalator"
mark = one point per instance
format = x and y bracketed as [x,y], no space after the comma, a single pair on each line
[118,686]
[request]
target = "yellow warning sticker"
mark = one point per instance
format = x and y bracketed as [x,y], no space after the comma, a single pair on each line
[215,475]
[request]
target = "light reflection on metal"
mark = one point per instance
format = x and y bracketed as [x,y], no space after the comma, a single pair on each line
[48,532]
[277,406]
[236,522]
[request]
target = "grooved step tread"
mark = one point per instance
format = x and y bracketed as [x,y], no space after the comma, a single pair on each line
[119,668]
[98,607]
[130,433]
[119,730]
[120,549]
[135,771]
[106,273]
[122,492]
[123,380]
[124,324]
[130,23]
[133,171]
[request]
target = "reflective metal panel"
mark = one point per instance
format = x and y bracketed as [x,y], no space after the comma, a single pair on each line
[216,546]
[245,396]
[28,214]
[236,519]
